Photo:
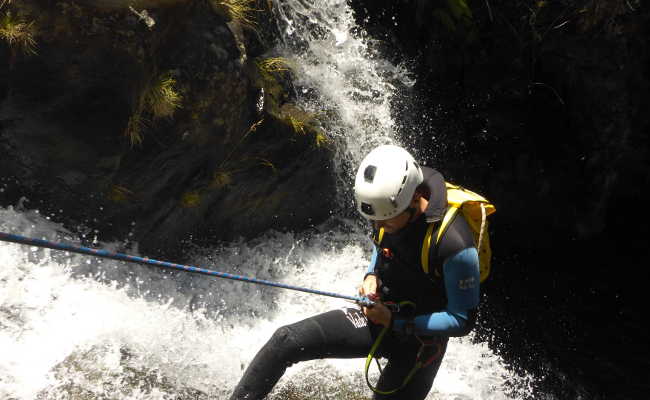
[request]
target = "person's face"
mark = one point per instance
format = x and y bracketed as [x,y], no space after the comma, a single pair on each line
[394,224]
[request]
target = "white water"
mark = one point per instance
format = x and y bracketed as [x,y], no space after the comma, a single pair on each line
[72,327]
[339,76]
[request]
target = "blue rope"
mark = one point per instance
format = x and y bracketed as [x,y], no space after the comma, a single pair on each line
[8,237]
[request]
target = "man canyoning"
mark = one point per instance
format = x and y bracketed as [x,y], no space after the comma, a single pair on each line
[423,278]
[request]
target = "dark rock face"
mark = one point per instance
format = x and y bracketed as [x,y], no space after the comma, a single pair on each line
[543,107]
[160,132]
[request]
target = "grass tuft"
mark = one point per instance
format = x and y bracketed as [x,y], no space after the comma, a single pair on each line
[273,65]
[163,98]
[241,11]
[17,32]
[191,199]
[220,179]
[297,125]
[134,129]
[303,123]
[320,139]
[267,163]
[119,194]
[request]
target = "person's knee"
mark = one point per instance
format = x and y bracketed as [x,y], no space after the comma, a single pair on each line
[285,344]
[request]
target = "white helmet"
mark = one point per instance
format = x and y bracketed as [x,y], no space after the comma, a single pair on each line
[385,182]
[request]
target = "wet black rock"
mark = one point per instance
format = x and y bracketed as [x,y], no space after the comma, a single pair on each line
[543,107]
[153,132]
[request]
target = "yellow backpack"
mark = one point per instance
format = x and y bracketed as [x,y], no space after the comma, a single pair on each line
[475,208]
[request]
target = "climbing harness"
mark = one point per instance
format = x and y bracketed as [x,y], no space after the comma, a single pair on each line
[8,237]
[423,358]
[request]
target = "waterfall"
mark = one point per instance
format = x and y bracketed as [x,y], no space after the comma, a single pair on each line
[74,327]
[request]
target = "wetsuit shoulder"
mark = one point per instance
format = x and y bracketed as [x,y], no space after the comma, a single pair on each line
[457,238]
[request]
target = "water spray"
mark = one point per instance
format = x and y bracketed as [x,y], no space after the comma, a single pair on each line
[8,237]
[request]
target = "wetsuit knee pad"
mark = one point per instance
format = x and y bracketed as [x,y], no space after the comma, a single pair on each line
[285,344]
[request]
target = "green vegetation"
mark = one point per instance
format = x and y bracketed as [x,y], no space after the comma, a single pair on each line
[240,11]
[163,98]
[134,128]
[457,17]
[221,178]
[191,199]
[272,74]
[303,126]
[18,33]
[320,138]
[268,66]
[297,125]
[159,100]
[119,194]
[266,163]
[303,123]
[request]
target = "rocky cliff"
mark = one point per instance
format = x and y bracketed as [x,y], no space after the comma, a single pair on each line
[156,121]
[543,107]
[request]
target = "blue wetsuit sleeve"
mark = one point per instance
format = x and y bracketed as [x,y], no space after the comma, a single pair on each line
[373,261]
[462,279]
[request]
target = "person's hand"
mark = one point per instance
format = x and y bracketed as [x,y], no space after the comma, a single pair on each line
[378,314]
[370,287]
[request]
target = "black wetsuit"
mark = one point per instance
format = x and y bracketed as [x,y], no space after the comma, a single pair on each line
[343,333]
[346,333]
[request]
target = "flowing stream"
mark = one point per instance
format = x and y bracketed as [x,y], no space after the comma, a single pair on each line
[74,327]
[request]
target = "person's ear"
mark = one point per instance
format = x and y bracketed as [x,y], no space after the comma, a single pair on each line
[416,199]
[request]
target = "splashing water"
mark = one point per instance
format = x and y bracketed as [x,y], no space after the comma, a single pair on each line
[340,77]
[74,327]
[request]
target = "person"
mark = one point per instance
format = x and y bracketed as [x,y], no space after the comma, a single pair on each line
[402,200]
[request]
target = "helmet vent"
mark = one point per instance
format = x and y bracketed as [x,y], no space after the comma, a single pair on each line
[369,173]
[367,209]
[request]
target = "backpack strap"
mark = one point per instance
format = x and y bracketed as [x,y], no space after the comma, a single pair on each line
[380,236]
[450,214]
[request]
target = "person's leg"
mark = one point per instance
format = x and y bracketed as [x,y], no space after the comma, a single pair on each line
[401,362]
[336,334]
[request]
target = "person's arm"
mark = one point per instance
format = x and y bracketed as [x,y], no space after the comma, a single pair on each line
[371,282]
[373,262]
[462,279]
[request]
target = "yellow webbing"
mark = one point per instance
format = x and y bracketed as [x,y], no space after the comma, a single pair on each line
[475,209]
[418,364]
[426,245]
[381,235]
[425,248]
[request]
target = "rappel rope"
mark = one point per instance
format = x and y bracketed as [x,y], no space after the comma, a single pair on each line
[482,230]
[8,237]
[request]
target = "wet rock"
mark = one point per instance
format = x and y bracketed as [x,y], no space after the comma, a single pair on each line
[221,54]
[158,126]
[542,107]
